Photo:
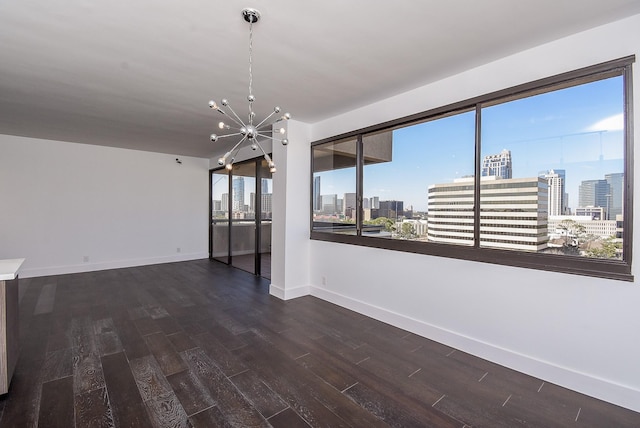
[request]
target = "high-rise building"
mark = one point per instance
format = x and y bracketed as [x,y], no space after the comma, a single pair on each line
[267,205]
[513,213]
[349,205]
[329,204]
[375,202]
[238,194]
[224,202]
[616,190]
[497,165]
[558,198]
[317,198]
[265,186]
[391,209]
[593,193]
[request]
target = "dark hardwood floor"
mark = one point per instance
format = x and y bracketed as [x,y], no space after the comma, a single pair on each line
[202,344]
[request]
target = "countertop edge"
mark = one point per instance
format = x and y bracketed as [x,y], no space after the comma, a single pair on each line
[9,268]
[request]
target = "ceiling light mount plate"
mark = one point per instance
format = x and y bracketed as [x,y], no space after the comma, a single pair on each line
[251,15]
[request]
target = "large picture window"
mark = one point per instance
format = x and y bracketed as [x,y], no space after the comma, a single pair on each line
[535,176]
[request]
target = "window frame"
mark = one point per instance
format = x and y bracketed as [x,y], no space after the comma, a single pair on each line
[593,267]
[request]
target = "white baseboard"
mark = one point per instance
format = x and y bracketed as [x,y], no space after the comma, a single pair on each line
[112,264]
[289,293]
[603,389]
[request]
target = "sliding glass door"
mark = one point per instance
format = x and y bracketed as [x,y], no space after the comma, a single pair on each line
[240,232]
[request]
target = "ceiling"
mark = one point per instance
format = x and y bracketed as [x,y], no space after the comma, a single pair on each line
[139,74]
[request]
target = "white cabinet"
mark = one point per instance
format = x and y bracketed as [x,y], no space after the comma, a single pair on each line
[9,328]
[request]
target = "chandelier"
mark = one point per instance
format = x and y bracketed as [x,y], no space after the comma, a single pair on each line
[248,131]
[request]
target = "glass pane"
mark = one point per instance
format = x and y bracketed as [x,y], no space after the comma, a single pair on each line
[220,195]
[266,191]
[243,188]
[334,187]
[418,181]
[553,171]
[243,212]
[265,249]
[220,215]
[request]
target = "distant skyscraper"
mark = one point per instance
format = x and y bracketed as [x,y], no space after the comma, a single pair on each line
[329,203]
[267,203]
[593,193]
[616,190]
[238,194]
[375,202]
[557,195]
[224,202]
[265,186]
[391,209]
[497,165]
[317,198]
[349,204]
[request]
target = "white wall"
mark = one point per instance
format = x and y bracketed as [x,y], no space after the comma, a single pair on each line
[290,263]
[572,330]
[64,201]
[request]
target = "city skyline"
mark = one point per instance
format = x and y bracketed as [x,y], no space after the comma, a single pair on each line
[577,129]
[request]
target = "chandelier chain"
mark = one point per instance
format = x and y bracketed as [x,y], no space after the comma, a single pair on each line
[250,70]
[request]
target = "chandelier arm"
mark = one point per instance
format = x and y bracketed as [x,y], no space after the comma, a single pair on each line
[260,147]
[266,156]
[242,140]
[229,135]
[239,122]
[269,137]
[265,119]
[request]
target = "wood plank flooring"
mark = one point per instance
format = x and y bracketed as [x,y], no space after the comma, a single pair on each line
[200,344]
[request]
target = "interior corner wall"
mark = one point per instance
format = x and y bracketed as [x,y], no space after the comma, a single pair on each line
[70,207]
[575,331]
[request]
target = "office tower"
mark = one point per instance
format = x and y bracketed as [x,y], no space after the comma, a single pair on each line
[224,202]
[267,205]
[365,203]
[265,186]
[238,194]
[317,198]
[349,204]
[497,165]
[375,202]
[593,193]
[503,202]
[329,204]
[391,209]
[616,190]
[558,198]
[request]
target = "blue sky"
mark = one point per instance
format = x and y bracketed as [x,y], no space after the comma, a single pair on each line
[578,129]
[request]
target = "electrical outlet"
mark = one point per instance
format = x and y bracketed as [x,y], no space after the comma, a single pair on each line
[324,280]
[178,250]
[85,259]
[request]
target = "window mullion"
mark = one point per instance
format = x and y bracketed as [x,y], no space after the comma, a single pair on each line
[477,175]
[359,177]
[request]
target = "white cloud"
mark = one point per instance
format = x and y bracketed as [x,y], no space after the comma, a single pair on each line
[611,123]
